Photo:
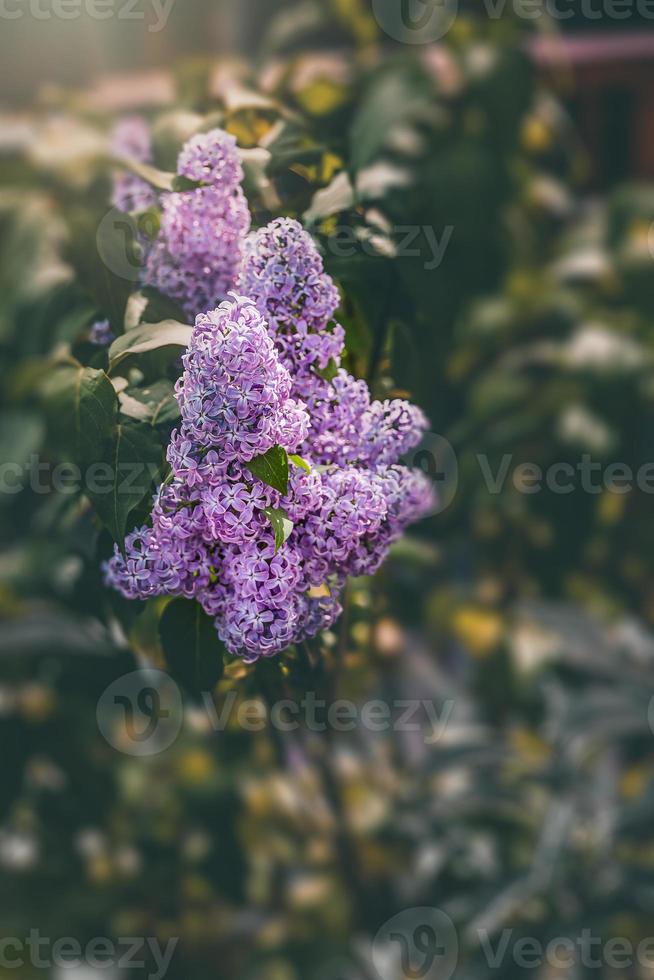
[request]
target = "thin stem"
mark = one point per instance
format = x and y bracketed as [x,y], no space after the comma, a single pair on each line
[326,682]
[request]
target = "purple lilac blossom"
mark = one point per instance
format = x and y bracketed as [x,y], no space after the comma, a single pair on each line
[283,273]
[101,333]
[234,394]
[251,381]
[196,257]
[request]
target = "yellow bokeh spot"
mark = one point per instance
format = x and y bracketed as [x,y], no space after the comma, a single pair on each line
[634,782]
[249,126]
[480,630]
[354,15]
[611,507]
[196,766]
[529,746]
[536,136]
[322,96]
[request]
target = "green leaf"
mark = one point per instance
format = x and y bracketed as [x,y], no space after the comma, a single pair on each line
[148,222]
[107,258]
[147,337]
[181,183]
[281,524]
[190,643]
[162,180]
[148,305]
[170,131]
[69,327]
[271,468]
[256,181]
[337,197]
[299,461]
[134,463]
[132,408]
[119,462]
[21,434]
[400,97]
[329,372]
[159,401]
[82,406]
[238,97]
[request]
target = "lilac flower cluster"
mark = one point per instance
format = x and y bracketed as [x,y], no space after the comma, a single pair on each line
[130,140]
[283,273]
[101,333]
[196,256]
[234,395]
[254,378]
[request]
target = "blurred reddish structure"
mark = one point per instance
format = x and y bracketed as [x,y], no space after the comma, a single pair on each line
[611,94]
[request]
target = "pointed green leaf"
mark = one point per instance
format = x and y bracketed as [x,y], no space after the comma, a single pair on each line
[170,131]
[337,197]
[281,524]
[329,372]
[148,305]
[82,407]
[162,180]
[300,462]
[181,183]
[132,408]
[148,222]
[133,464]
[159,402]
[190,643]
[147,337]
[271,468]
[110,265]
